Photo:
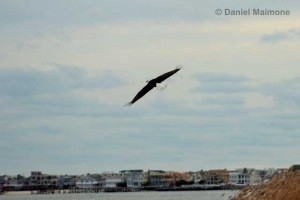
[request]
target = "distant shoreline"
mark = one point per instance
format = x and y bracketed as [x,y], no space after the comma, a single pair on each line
[110,190]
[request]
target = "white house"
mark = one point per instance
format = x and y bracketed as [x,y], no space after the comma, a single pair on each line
[16,184]
[86,182]
[133,178]
[240,177]
[109,180]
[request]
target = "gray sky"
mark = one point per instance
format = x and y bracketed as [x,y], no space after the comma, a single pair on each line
[68,67]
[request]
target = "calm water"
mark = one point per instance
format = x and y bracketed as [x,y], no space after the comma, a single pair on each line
[192,195]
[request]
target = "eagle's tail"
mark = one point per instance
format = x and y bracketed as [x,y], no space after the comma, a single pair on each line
[128,104]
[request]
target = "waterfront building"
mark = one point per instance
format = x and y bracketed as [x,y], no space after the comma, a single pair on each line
[216,176]
[240,176]
[13,182]
[160,178]
[154,178]
[17,183]
[112,180]
[175,178]
[67,181]
[86,181]
[3,180]
[196,177]
[133,178]
[40,180]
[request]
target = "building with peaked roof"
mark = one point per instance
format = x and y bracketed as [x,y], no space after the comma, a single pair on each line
[86,181]
[67,181]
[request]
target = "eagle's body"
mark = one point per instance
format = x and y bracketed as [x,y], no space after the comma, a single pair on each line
[156,82]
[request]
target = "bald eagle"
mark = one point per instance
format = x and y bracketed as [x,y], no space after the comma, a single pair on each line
[156,82]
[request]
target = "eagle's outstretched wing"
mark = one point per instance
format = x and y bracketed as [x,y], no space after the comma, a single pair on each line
[141,93]
[164,76]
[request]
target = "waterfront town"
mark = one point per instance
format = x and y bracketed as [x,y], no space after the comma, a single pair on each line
[138,179]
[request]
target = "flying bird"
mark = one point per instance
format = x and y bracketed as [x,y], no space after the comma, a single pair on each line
[156,82]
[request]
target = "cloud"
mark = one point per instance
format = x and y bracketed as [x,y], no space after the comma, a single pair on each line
[80,78]
[283,91]
[78,128]
[222,100]
[61,90]
[221,83]
[93,12]
[279,36]
[213,77]
[30,81]
[101,135]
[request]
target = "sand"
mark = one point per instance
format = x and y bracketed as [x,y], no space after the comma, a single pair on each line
[17,192]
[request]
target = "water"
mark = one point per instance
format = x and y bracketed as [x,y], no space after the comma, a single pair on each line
[190,195]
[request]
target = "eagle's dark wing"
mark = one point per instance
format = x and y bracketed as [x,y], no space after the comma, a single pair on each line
[141,93]
[164,76]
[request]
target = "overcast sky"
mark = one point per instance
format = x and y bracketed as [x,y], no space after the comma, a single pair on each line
[68,67]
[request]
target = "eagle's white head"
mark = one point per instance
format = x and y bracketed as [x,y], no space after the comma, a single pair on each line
[179,66]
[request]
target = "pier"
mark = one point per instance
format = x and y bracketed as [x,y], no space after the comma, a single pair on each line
[126,189]
[85,190]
